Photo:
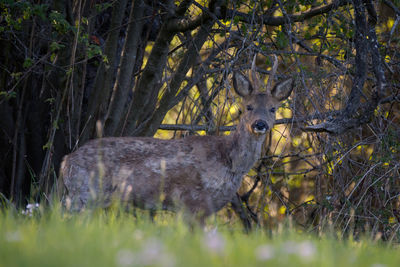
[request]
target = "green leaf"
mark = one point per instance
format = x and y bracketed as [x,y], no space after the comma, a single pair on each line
[47,145]
[40,11]
[50,100]
[94,50]
[102,7]
[16,75]
[236,20]
[243,28]
[281,40]
[59,23]
[53,57]
[27,63]
[69,72]
[54,46]
[8,95]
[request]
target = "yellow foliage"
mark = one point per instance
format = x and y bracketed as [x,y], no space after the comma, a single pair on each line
[310,199]
[295,181]
[296,141]
[390,23]
[282,210]
[252,173]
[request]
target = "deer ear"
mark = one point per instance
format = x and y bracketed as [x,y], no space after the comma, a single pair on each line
[241,84]
[282,90]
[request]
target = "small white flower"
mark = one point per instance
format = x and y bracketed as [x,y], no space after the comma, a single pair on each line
[30,208]
[13,236]
[138,235]
[306,249]
[154,253]
[290,247]
[265,252]
[214,242]
[125,257]
[167,260]
[152,250]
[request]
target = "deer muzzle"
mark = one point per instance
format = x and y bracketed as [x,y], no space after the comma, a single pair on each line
[260,127]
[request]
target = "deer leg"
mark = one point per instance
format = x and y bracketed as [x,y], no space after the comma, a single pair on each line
[237,206]
[152,214]
[193,221]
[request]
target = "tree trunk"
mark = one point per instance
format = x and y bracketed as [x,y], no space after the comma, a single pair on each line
[128,58]
[100,94]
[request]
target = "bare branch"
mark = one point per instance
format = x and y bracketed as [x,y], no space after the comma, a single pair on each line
[347,120]
[186,127]
[277,21]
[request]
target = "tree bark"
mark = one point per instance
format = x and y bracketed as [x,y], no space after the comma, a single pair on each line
[100,94]
[128,58]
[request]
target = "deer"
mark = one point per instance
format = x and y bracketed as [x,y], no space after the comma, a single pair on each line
[199,174]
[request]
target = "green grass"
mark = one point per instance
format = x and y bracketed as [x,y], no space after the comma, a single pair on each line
[50,238]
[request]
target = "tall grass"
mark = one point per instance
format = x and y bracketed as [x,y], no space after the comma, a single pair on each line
[115,238]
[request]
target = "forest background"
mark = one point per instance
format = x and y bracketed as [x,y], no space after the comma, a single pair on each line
[73,70]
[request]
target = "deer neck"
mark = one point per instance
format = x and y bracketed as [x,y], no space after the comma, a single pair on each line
[245,149]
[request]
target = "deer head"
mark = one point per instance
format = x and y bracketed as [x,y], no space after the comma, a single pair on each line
[259,106]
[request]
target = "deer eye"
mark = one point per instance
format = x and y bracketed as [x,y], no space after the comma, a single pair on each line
[273,110]
[249,107]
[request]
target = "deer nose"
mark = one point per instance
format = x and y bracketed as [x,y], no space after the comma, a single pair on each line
[260,126]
